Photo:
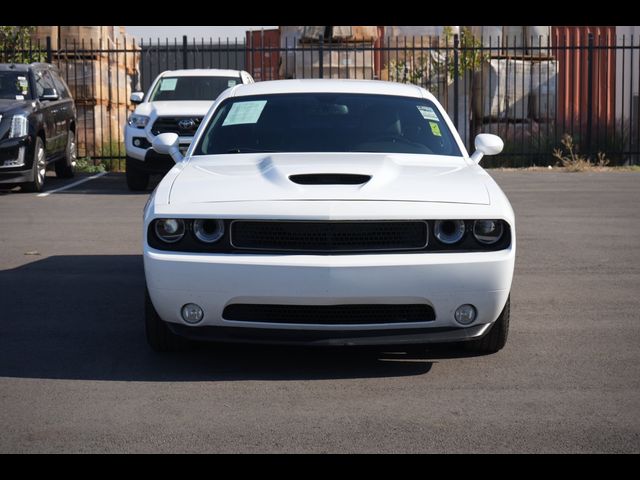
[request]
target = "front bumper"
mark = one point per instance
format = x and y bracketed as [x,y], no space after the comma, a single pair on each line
[442,280]
[16,159]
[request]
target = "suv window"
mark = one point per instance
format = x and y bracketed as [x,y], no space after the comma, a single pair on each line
[61,87]
[43,80]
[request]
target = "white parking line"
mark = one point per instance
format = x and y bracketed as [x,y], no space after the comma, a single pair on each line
[71,185]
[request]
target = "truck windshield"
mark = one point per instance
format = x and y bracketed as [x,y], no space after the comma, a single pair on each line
[327,122]
[191,88]
[14,86]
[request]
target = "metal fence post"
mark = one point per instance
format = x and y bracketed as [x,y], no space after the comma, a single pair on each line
[184,51]
[589,91]
[321,61]
[49,54]
[456,74]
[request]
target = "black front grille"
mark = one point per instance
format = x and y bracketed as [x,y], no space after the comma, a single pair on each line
[172,125]
[329,314]
[329,236]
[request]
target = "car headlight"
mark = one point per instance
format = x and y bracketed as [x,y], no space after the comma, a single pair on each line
[138,121]
[208,230]
[19,126]
[170,230]
[487,231]
[449,231]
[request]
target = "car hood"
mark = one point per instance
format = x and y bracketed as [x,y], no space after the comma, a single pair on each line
[266,177]
[8,105]
[175,108]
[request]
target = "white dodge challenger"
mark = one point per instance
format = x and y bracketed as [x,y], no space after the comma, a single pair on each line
[328,212]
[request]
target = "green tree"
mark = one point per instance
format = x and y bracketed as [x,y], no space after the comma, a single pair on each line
[15,45]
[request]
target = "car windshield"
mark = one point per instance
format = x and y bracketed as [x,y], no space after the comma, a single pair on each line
[191,88]
[14,85]
[327,122]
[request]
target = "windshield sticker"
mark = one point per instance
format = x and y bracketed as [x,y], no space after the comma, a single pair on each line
[428,113]
[435,129]
[168,84]
[23,86]
[232,83]
[244,112]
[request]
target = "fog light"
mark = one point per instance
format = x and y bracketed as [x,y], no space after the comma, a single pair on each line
[465,314]
[136,142]
[192,313]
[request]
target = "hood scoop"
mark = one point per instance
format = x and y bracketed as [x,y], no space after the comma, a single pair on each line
[329,179]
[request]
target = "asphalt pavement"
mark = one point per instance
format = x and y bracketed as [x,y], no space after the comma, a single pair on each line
[76,374]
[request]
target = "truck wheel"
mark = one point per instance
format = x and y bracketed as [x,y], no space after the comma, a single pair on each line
[65,166]
[39,168]
[136,180]
[496,338]
[159,337]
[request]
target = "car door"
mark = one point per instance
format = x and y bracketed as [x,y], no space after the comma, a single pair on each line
[65,111]
[57,107]
[47,110]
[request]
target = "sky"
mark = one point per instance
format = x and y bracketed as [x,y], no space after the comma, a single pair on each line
[154,32]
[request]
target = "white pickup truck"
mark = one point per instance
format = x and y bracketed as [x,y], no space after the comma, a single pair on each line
[176,102]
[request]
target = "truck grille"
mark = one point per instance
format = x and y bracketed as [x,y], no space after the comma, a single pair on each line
[172,125]
[339,236]
[329,314]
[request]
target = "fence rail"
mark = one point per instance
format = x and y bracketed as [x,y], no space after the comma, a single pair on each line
[531,92]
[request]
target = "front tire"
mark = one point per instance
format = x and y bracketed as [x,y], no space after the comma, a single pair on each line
[496,338]
[136,180]
[39,168]
[159,337]
[65,167]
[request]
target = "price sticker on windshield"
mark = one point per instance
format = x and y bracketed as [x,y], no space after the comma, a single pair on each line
[242,113]
[428,113]
[23,85]
[168,84]
[435,129]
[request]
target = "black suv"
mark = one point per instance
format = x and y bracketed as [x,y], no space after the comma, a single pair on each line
[37,125]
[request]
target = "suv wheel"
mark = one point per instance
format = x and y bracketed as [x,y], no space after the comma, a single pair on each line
[496,338]
[66,165]
[159,337]
[39,168]
[136,180]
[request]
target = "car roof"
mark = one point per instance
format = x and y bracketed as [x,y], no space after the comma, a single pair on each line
[377,87]
[24,67]
[202,72]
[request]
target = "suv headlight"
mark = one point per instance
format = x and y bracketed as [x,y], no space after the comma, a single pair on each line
[138,121]
[19,126]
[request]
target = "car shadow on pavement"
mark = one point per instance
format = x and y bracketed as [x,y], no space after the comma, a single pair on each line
[81,317]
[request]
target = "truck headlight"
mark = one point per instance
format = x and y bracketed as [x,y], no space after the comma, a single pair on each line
[138,121]
[19,126]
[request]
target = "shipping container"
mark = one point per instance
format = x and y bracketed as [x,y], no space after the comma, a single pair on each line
[263,56]
[573,79]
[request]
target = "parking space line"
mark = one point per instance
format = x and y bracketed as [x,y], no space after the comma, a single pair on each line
[71,185]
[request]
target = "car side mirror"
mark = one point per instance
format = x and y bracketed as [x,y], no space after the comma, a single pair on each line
[137,97]
[167,144]
[49,94]
[486,144]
